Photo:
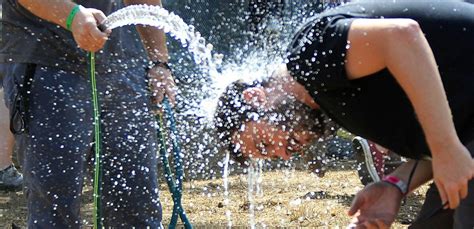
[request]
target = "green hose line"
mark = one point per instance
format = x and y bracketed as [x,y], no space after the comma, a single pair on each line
[97,162]
[174,186]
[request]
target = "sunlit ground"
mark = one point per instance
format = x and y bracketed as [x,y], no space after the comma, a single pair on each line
[286,201]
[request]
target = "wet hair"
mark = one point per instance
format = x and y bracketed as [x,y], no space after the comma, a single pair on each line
[233,112]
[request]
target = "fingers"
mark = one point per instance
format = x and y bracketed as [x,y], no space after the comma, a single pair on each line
[375,224]
[464,191]
[452,173]
[100,19]
[442,193]
[157,90]
[162,83]
[171,93]
[99,16]
[452,193]
[97,35]
[381,224]
[159,98]
[371,224]
[356,204]
[97,39]
[453,196]
[86,32]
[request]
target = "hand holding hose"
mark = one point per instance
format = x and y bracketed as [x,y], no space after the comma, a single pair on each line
[84,28]
[161,83]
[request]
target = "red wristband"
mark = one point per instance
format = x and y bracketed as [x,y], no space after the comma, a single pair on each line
[395,181]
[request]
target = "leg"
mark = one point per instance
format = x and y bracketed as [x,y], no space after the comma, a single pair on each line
[129,153]
[6,145]
[10,178]
[431,214]
[59,137]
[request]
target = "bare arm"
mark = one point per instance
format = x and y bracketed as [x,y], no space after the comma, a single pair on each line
[83,27]
[379,202]
[154,41]
[400,46]
[422,174]
[55,11]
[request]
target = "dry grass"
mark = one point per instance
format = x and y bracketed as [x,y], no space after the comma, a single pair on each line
[289,199]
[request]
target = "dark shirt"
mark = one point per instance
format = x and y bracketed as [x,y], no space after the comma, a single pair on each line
[29,39]
[375,106]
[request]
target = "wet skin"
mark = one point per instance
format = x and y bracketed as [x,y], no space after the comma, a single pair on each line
[258,139]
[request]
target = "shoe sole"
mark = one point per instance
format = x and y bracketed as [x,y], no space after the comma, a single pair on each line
[369,174]
[8,188]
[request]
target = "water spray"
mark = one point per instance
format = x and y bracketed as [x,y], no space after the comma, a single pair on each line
[172,24]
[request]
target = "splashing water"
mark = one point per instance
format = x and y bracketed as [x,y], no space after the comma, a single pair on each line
[254,187]
[225,178]
[255,65]
[202,53]
[172,24]
[249,70]
[175,26]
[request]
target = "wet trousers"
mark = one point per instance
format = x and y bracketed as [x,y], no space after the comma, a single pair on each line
[59,143]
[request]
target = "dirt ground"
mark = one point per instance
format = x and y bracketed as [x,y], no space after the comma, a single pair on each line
[288,199]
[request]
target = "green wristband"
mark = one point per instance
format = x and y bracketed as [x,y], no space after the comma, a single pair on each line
[71,16]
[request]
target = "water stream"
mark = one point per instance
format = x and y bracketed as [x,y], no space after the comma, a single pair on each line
[253,66]
[254,179]
[202,53]
[172,24]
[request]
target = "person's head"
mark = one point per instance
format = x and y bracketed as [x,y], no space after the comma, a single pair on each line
[254,120]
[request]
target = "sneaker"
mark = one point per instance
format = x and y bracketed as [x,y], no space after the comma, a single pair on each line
[392,161]
[369,159]
[374,164]
[11,179]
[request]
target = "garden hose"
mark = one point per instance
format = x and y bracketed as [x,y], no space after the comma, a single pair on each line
[175,186]
[97,162]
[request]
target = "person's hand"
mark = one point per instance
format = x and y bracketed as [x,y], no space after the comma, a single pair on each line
[375,206]
[452,170]
[85,30]
[161,83]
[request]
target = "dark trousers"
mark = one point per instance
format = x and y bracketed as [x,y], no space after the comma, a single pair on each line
[60,140]
[461,217]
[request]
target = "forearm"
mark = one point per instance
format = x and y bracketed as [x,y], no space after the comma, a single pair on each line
[400,46]
[55,11]
[422,173]
[154,40]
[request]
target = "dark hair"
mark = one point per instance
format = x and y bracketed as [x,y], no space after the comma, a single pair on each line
[233,111]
